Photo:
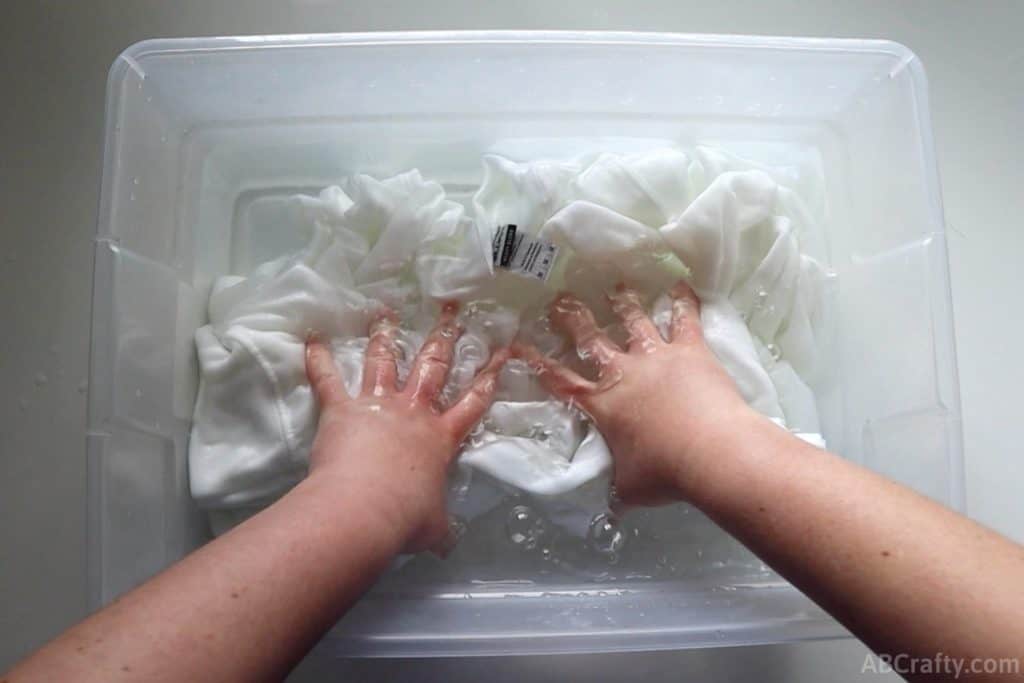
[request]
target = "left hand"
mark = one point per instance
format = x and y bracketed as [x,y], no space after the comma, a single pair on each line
[390,446]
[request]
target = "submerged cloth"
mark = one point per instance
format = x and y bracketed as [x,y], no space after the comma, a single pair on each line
[729,227]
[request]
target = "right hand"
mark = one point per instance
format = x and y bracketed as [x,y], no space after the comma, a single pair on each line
[659,404]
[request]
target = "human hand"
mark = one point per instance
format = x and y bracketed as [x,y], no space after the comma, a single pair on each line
[661,405]
[392,446]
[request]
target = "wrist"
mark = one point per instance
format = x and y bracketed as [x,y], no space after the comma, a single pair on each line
[716,454]
[350,510]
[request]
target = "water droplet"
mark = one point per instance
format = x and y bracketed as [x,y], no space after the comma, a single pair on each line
[135,181]
[524,527]
[138,393]
[131,197]
[22,404]
[774,351]
[605,534]
[83,386]
[546,553]
[41,379]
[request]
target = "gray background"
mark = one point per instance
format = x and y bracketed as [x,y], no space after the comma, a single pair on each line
[52,74]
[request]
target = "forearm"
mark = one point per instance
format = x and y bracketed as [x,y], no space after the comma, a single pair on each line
[245,607]
[900,571]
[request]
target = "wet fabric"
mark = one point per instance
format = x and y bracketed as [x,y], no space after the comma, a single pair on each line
[730,228]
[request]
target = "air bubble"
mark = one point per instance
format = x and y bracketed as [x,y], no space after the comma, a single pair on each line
[538,432]
[477,437]
[456,528]
[524,527]
[605,535]
[614,499]
[462,481]
[760,300]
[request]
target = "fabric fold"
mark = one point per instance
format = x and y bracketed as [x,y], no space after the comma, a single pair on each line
[734,230]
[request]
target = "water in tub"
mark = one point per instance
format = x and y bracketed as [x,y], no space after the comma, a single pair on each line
[530,498]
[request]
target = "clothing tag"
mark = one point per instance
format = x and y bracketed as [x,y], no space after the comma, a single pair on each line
[520,253]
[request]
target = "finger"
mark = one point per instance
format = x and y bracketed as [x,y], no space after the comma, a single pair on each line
[685,326]
[643,333]
[430,369]
[380,372]
[556,378]
[323,375]
[574,318]
[468,410]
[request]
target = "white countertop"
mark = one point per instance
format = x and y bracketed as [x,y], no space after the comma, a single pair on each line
[56,61]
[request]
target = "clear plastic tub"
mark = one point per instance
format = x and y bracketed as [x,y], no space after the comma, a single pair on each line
[201,131]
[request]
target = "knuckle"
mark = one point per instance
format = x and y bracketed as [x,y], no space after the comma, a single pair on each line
[380,353]
[434,365]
